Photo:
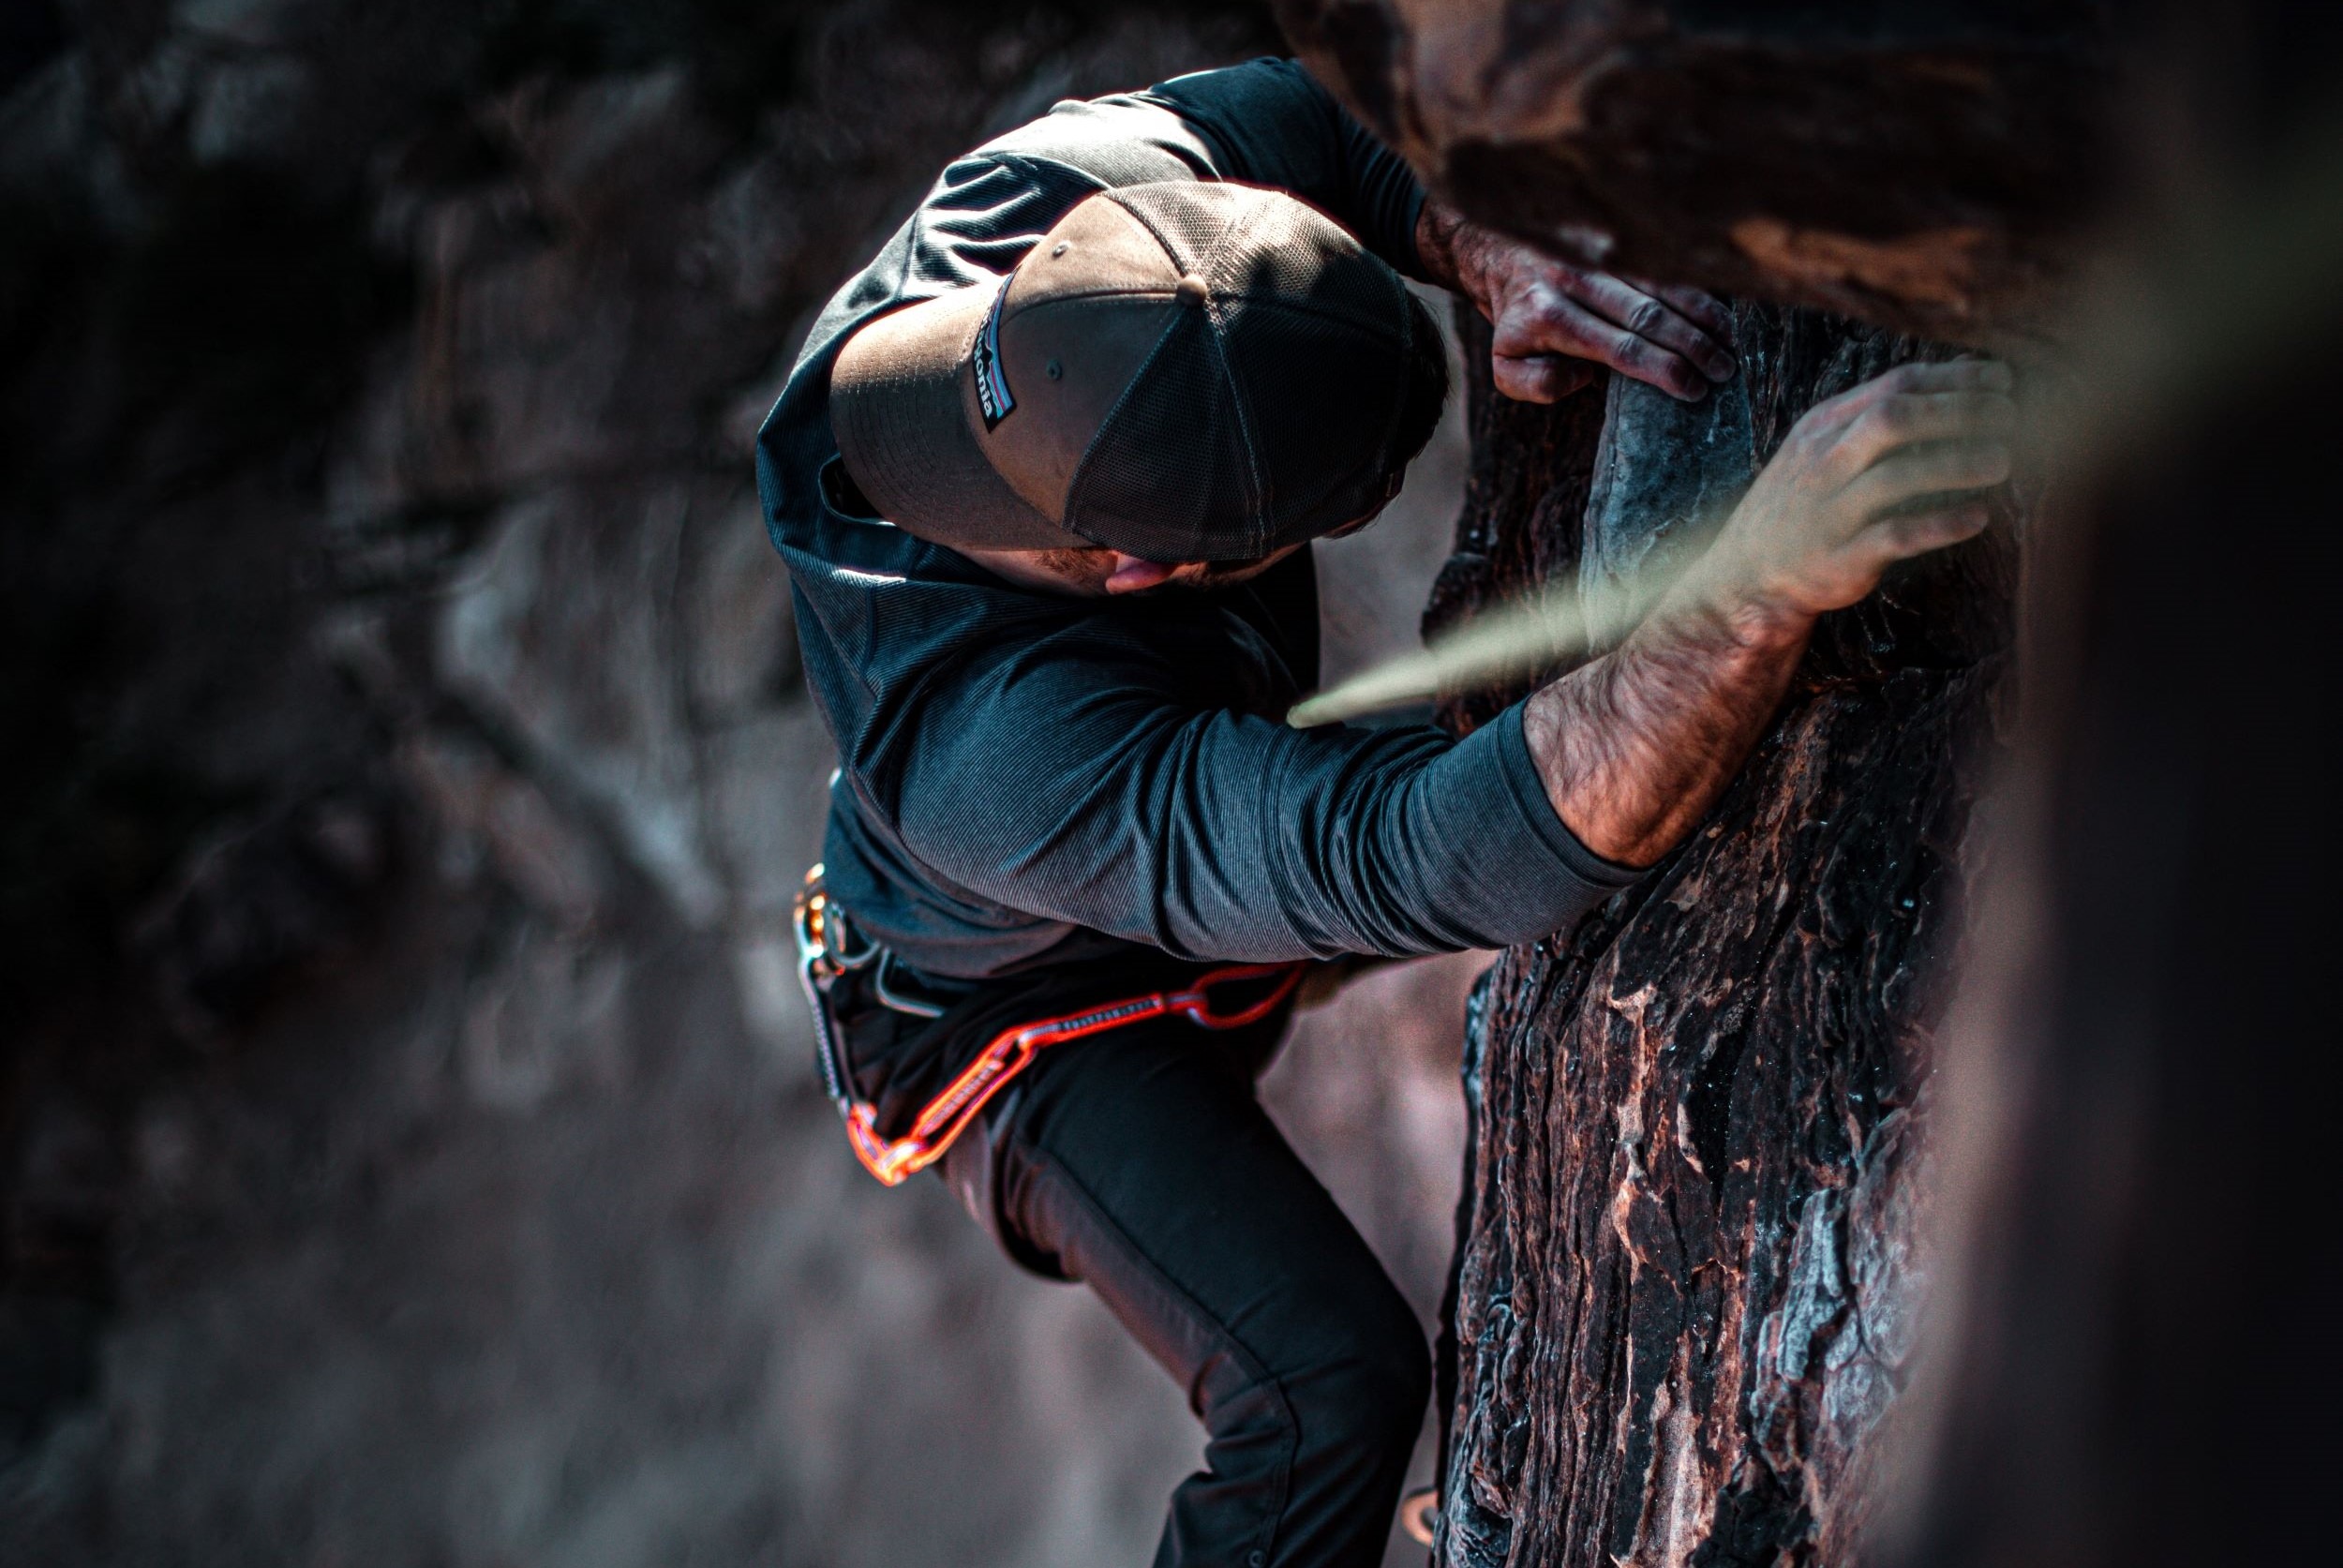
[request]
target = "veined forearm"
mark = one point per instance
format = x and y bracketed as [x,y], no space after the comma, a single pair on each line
[1635,747]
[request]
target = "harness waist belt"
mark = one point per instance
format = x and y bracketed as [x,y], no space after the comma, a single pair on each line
[827,949]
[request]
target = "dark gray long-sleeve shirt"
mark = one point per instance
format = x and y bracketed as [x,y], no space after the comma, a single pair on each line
[1028,779]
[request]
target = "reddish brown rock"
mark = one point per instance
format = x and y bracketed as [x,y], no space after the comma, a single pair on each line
[1686,1290]
[1928,165]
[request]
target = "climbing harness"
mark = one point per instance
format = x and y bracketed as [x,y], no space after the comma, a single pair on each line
[828,948]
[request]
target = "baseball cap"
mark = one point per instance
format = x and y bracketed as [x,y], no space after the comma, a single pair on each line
[1186,370]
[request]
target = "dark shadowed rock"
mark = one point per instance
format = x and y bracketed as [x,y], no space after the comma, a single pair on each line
[410,1145]
[1926,164]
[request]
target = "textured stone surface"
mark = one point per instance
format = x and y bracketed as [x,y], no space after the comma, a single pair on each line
[1665,474]
[408,1143]
[1924,164]
[1686,1289]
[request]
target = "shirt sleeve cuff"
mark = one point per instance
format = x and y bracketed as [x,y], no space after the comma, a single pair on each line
[1537,809]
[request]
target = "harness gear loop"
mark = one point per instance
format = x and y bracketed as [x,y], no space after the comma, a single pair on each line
[822,934]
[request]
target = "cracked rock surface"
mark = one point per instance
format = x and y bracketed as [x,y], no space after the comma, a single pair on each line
[1687,1289]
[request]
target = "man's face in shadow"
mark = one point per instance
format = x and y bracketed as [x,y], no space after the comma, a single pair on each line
[1096,573]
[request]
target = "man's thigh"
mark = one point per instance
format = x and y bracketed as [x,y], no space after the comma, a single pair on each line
[1142,1164]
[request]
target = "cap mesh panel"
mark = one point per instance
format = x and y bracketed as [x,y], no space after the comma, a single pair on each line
[1190,218]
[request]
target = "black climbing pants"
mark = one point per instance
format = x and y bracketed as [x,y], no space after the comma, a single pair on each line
[1140,1163]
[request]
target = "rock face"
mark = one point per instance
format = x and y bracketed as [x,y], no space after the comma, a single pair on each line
[1923,165]
[410,1145]
[1688,1284]
[1686,1288]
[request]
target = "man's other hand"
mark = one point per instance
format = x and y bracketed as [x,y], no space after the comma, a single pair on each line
[1889,469]
[1555,322]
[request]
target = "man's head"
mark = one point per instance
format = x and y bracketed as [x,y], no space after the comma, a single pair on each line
[1200,375]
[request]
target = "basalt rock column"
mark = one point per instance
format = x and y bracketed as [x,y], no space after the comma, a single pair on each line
[1921,163]
[1686,1291]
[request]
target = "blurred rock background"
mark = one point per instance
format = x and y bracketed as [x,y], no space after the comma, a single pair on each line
[410,1149]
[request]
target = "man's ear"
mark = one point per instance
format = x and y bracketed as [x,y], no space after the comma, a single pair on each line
[1132,574]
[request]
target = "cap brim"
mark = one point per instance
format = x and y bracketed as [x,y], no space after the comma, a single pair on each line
[902,406]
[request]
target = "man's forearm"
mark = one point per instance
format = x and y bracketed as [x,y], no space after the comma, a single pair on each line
[1635,747]
[1439,229]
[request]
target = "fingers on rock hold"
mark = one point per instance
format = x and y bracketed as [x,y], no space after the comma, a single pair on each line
[1911,533]
[1914,471]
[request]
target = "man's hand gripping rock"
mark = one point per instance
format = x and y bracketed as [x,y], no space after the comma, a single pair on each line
[1555,324]
[1635,747]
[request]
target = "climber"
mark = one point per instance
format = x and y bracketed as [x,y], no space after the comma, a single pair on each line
[1044,477]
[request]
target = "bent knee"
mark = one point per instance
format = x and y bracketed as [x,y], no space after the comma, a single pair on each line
[1373,1393]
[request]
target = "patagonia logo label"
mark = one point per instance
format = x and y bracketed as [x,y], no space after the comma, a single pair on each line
[991,382]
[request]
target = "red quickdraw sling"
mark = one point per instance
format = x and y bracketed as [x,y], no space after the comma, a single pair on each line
[826,949]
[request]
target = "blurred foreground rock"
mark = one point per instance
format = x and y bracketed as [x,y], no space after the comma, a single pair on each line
[2151,1011]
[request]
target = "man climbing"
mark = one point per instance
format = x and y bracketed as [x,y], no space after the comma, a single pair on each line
[1044,477]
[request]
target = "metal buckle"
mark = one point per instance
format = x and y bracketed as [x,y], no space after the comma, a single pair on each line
[828,944]
[889,996]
